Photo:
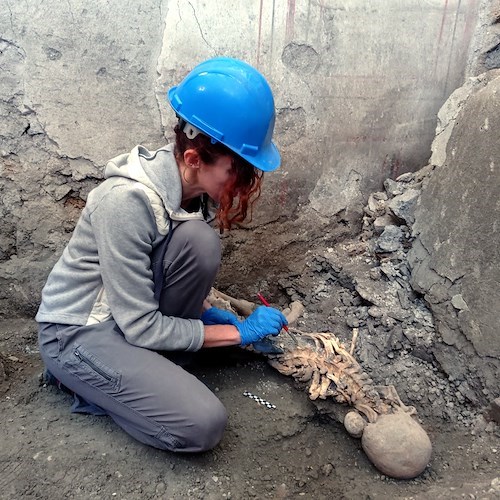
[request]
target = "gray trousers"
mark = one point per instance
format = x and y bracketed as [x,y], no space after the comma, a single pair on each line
[147,394]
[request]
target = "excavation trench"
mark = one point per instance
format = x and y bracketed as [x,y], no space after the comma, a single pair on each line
[295,447]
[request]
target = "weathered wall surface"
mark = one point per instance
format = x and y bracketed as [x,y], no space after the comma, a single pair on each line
[455,257]
[485,47]
[357,89]
[357,84]
[76,87]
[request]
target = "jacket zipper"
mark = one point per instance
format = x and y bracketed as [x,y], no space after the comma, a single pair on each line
[92,365]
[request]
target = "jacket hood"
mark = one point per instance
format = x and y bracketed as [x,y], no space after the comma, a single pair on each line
[157,170]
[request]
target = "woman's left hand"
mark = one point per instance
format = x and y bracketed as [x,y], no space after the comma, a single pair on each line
[215,316]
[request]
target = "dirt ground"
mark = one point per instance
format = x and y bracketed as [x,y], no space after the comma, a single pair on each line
[283,453]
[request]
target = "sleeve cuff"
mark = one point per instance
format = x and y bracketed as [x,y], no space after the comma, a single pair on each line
[198,335]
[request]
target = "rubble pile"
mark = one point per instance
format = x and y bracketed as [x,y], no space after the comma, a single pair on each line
[364,284]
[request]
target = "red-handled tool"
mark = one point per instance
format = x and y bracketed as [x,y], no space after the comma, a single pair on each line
[266,303]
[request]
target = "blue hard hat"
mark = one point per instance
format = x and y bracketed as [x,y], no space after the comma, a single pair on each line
[231,102]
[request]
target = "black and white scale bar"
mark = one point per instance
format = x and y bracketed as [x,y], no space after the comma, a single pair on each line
[261,401]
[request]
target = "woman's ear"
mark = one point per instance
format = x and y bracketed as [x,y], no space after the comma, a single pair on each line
[191,158]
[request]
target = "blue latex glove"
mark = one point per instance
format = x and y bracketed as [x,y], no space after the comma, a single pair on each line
[262,322]
[215,316]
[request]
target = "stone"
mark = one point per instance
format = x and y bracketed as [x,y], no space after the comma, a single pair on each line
[403,206]
[380,223]
[406,177]
[3,369]
[392,187]
[375,312]
[494,410]
[458,302]
[376,206]
[390,239]
[397,445]
[495,485]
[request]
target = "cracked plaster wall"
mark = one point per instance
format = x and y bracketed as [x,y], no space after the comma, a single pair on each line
[357,90]
[76,88]
[357,84]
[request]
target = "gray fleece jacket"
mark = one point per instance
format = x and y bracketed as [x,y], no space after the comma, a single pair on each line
[105,272]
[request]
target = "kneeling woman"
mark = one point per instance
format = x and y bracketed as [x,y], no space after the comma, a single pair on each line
[132,281]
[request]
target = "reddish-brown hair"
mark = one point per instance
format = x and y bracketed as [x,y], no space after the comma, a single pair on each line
[245,184]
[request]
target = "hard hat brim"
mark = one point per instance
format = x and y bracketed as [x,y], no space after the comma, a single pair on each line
[267,160]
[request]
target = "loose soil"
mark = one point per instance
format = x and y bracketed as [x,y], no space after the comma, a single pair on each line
[290,452]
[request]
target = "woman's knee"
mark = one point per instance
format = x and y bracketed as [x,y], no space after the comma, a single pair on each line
[198,243]
[195,429]
[205,429]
